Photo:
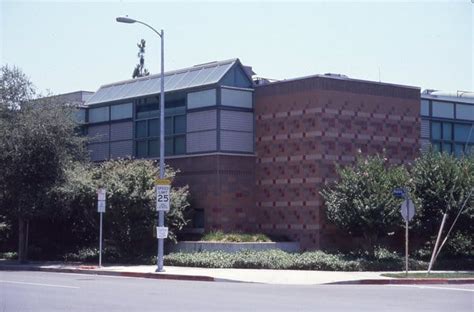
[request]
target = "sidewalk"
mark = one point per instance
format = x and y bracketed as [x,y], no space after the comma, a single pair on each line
[283,277]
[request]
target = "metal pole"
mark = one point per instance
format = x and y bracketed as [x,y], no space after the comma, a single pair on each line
[433,255]
[100,241]
[406,233]
[161,214]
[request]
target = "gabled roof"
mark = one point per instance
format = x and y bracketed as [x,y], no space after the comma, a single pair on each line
[197,75]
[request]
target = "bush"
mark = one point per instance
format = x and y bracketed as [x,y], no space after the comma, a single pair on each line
[219,236]
[280,260]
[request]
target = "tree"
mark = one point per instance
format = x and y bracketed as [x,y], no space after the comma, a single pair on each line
[130,217]
[443,184]
[361,202]
[38,141]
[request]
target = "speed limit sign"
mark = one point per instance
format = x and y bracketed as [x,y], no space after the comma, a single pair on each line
[162,195]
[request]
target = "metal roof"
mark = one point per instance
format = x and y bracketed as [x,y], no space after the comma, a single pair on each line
[197,75]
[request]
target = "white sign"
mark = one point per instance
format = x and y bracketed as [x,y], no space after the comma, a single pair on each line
[101,206]
[163,197]
[101,194]
[161,232]
[407,210]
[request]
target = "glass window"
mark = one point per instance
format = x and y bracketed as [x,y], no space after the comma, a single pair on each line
[154,127]
[447,147]
[154,148]
[425,108]
[447,131]
[80,116]
[464,111]
[436,146]
[443,109]
[180,124]
[140,129]
[99,114]
[121,111]
[462,133]
[141,148]
[179,145]
[436,130]
[168,125]
[169,146]
[458,150]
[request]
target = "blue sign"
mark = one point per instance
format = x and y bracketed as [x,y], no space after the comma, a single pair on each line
[399,193]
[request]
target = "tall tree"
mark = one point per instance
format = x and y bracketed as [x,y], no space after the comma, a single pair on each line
[37,142]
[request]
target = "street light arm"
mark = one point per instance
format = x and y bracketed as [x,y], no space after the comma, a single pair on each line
[157,32]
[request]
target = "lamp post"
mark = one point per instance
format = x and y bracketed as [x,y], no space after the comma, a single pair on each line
[161,214]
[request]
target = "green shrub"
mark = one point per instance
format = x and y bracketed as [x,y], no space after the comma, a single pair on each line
[219,236]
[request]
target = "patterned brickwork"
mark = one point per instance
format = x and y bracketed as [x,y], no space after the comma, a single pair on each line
[304,127]
[223,186]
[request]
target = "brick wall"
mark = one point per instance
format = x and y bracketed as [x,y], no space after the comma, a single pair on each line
[223,186]
[304,127]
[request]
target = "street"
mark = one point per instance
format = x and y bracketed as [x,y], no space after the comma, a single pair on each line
[40,291]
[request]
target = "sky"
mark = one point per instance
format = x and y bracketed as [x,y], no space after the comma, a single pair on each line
[65,46]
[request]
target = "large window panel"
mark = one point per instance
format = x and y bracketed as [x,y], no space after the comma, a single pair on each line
[463,133]
[141,148]
[99,114]
[425,108]
[154,127]
[154,148]
[202,99]
[436,130]
[121,111]
[464,111]
[141,129]
[179,124]
[236,98]
[443,109]
[447,131]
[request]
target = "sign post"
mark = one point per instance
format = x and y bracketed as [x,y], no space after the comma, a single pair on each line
[407,210]
[162,187]
[100,209]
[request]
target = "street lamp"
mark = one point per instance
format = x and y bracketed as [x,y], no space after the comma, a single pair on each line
[161,214]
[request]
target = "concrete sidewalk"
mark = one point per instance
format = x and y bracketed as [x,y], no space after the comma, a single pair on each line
[283,277]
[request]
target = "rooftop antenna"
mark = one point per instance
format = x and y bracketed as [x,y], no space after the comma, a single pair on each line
[140,70]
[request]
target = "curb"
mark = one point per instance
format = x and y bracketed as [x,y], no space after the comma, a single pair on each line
[406,281]
[112,273]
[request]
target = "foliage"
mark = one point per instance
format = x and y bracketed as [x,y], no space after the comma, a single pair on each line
[130,216]
[361,203]
[219,236]
[280,260]
[442,184]
[15,89]
[38,141]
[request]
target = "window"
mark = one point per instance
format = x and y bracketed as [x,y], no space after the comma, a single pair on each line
[443,109]
[436,130]
[140,129]
[425,108]
[464,133]
[99,114]
[121,111]
[149,128]
[464,111]
[447,148]
[447,131]
[141,148]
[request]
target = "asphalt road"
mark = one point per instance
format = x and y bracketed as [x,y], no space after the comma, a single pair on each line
[39,291]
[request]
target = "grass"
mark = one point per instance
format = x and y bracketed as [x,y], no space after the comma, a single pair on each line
[219,236]
[431,275]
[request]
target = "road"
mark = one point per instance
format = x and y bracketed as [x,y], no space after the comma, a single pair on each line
[41,291]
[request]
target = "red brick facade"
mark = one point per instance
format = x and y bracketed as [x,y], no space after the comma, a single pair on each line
[304,127]
[223,186]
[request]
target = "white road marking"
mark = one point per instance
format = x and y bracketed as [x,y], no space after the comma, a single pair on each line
[434,287]
[38,284]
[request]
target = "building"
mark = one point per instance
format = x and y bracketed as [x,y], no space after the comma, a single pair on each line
[447,121]
[256,155]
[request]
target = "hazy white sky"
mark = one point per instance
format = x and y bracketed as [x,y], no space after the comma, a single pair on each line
[66,46]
